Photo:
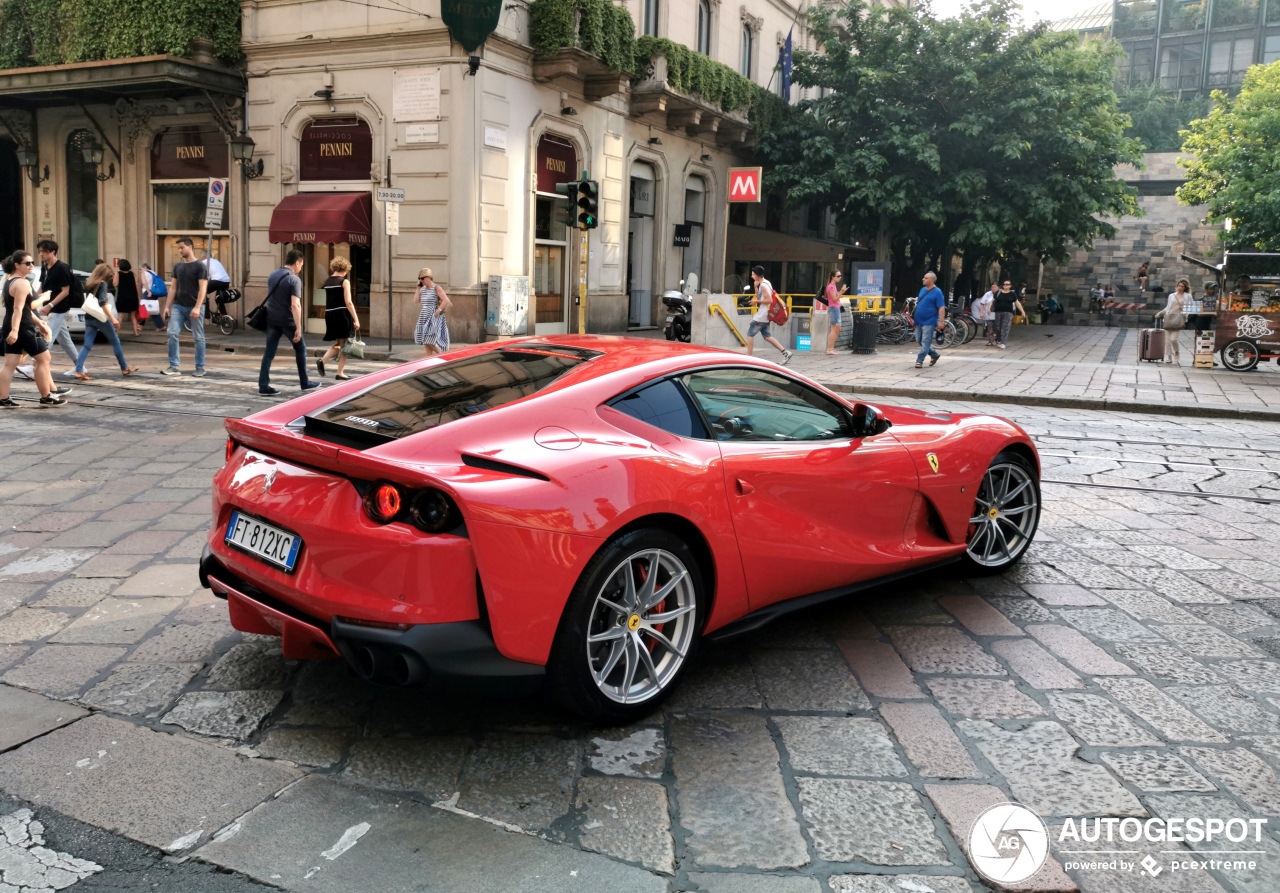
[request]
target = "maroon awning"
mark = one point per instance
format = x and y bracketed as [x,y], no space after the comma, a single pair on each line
[322,217]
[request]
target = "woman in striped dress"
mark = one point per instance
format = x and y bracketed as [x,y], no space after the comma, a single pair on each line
[432,331]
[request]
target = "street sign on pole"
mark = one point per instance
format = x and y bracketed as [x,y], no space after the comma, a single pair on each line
[383,194]
[216,204]
[393,229]
[393,218]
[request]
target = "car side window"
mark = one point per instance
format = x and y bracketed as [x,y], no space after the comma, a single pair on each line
[751,404]
[664,405]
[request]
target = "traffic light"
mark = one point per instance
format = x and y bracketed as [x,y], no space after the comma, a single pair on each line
[565,215]
[588,203]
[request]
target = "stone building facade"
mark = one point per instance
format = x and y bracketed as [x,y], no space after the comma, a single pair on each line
[1166,230]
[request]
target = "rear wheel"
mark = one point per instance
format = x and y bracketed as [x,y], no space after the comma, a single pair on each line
[227,323]
[629,629]
[1005,515]
[1240,356]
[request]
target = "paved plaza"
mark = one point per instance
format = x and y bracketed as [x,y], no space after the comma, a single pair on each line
[1129,667]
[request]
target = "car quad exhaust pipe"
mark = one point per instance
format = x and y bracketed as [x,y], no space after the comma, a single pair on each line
[387,666]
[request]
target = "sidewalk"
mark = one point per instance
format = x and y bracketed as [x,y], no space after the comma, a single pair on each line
[1068,366]
[1081,367]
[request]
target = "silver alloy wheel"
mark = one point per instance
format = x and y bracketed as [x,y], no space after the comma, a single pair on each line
[641,626]
[1005,515]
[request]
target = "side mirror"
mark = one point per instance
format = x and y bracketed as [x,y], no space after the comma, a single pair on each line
[867,421]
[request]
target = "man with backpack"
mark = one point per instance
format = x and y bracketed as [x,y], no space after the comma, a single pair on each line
[67,293]
[763,302]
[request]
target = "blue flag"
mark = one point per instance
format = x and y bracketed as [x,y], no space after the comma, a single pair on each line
[784,62]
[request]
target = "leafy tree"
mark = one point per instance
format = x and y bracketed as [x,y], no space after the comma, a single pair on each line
[1158,117]
[968,135]
[1234,166]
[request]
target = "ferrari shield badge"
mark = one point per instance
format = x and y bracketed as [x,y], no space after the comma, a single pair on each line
[933,462]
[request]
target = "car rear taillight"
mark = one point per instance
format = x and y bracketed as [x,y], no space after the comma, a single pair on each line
[383,502]
[231,449]
[433,511]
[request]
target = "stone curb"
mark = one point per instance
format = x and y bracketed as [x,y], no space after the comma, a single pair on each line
[1172,409]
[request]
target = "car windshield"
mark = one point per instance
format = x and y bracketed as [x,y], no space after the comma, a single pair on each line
[441,394]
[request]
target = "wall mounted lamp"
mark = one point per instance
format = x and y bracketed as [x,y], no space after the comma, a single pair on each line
[91,151]
[705,157]
[568,110]
[655,141]
[29,161]
[242,147]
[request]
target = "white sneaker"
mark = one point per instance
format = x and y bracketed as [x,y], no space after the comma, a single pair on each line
[786,357]
[1001,346]
[70,373]
[28,372]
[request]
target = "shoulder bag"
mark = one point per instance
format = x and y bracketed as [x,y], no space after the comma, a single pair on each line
[93,308]
[777,310]
[354,347]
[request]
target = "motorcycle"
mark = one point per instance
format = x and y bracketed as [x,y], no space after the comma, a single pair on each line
[679,326]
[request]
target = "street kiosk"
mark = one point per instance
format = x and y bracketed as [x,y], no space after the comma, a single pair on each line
[1247,329]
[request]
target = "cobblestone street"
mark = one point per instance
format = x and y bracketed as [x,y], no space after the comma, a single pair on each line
[1128,667]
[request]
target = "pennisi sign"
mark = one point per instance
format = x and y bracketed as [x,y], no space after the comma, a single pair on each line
[744,184]
[336,149]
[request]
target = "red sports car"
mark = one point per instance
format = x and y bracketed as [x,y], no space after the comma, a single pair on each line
[580,511]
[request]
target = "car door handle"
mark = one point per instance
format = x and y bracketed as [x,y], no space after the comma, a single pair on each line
[744,487]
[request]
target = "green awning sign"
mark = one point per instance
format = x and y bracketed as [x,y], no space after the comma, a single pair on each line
[471,21]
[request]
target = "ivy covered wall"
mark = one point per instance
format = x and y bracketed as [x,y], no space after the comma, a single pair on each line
[57,32]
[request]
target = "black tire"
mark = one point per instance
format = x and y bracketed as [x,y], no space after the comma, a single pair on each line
[1005,517]
[227,324]
[1240,356]
[581,674]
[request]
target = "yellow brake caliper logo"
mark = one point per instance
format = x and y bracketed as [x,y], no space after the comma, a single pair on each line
[933,462]
[633,622]
[993,514]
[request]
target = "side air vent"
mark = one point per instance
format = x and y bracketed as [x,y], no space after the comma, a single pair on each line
[501,467]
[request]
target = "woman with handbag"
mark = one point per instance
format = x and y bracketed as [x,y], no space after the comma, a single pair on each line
[341,321]
[432,331]
[100,319]
[1175,320]
[129,288]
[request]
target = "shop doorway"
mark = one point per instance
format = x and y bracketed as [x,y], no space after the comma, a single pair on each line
[11,183]
[640,244]
[315,270]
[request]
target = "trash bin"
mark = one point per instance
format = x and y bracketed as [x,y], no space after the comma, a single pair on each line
[866,328]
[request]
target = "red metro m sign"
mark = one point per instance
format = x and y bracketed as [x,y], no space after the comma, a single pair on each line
[744,184]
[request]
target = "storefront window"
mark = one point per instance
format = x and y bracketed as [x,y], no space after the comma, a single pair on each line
[182,161]
[81,250]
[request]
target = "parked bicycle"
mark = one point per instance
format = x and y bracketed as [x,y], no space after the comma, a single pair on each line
[219,316]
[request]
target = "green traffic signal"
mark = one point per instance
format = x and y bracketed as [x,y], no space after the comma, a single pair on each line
[588,204]
[564,214]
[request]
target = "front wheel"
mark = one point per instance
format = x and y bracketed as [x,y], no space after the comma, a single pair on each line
[680,329]
[1240,356]
[629,629]
[227,324]
[1006,513]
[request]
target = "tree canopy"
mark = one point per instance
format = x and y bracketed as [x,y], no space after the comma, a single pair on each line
[1233,165]
[969,135]
[1158,117]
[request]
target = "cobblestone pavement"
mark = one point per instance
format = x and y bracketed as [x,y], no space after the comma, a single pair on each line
[1130,666]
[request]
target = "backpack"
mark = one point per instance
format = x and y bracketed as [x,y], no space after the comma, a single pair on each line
[777,310]
[158,288]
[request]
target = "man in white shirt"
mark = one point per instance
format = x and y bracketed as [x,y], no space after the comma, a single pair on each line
[983,313]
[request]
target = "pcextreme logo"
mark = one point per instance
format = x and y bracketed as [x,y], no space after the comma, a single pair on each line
[1009,843]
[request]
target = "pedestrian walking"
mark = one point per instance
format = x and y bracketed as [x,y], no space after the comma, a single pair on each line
[284,320]
[830,298]
[128,285]
[93,328]
[930,312]
[24,332]
[153,290]
[982,312]
[65,292]
[1174,320]
[340,318]
[432,330]
[185,305]
[1006,303]
[764,298]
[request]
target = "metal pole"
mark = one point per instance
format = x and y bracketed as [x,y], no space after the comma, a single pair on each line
[390,291]
[583,246]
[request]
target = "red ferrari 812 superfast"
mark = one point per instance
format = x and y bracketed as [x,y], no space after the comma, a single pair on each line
[580,511]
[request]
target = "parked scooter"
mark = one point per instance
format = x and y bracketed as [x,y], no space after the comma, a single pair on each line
[679,326]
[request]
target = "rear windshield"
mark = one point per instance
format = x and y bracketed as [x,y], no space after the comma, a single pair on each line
[442,394]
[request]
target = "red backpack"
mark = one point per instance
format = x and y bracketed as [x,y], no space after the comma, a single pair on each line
[777,309]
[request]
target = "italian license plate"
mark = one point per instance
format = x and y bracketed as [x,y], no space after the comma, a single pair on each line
[262,540]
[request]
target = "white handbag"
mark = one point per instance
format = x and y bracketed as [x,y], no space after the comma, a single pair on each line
[93,308]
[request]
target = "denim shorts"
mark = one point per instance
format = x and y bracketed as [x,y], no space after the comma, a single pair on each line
[758,328]
[833,315]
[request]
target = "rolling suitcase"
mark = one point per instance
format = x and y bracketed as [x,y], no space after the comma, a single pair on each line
[1151,345]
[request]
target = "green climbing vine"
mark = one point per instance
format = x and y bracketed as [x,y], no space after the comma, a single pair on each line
[58,32]
[599,27]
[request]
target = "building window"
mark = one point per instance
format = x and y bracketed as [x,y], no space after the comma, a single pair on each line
[748,50]
[704,27]
[695,217]
[1180,65]
[1271,49]
[1233,13]
[1182,15]
[81,250]
[649,23]
[1229,60]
